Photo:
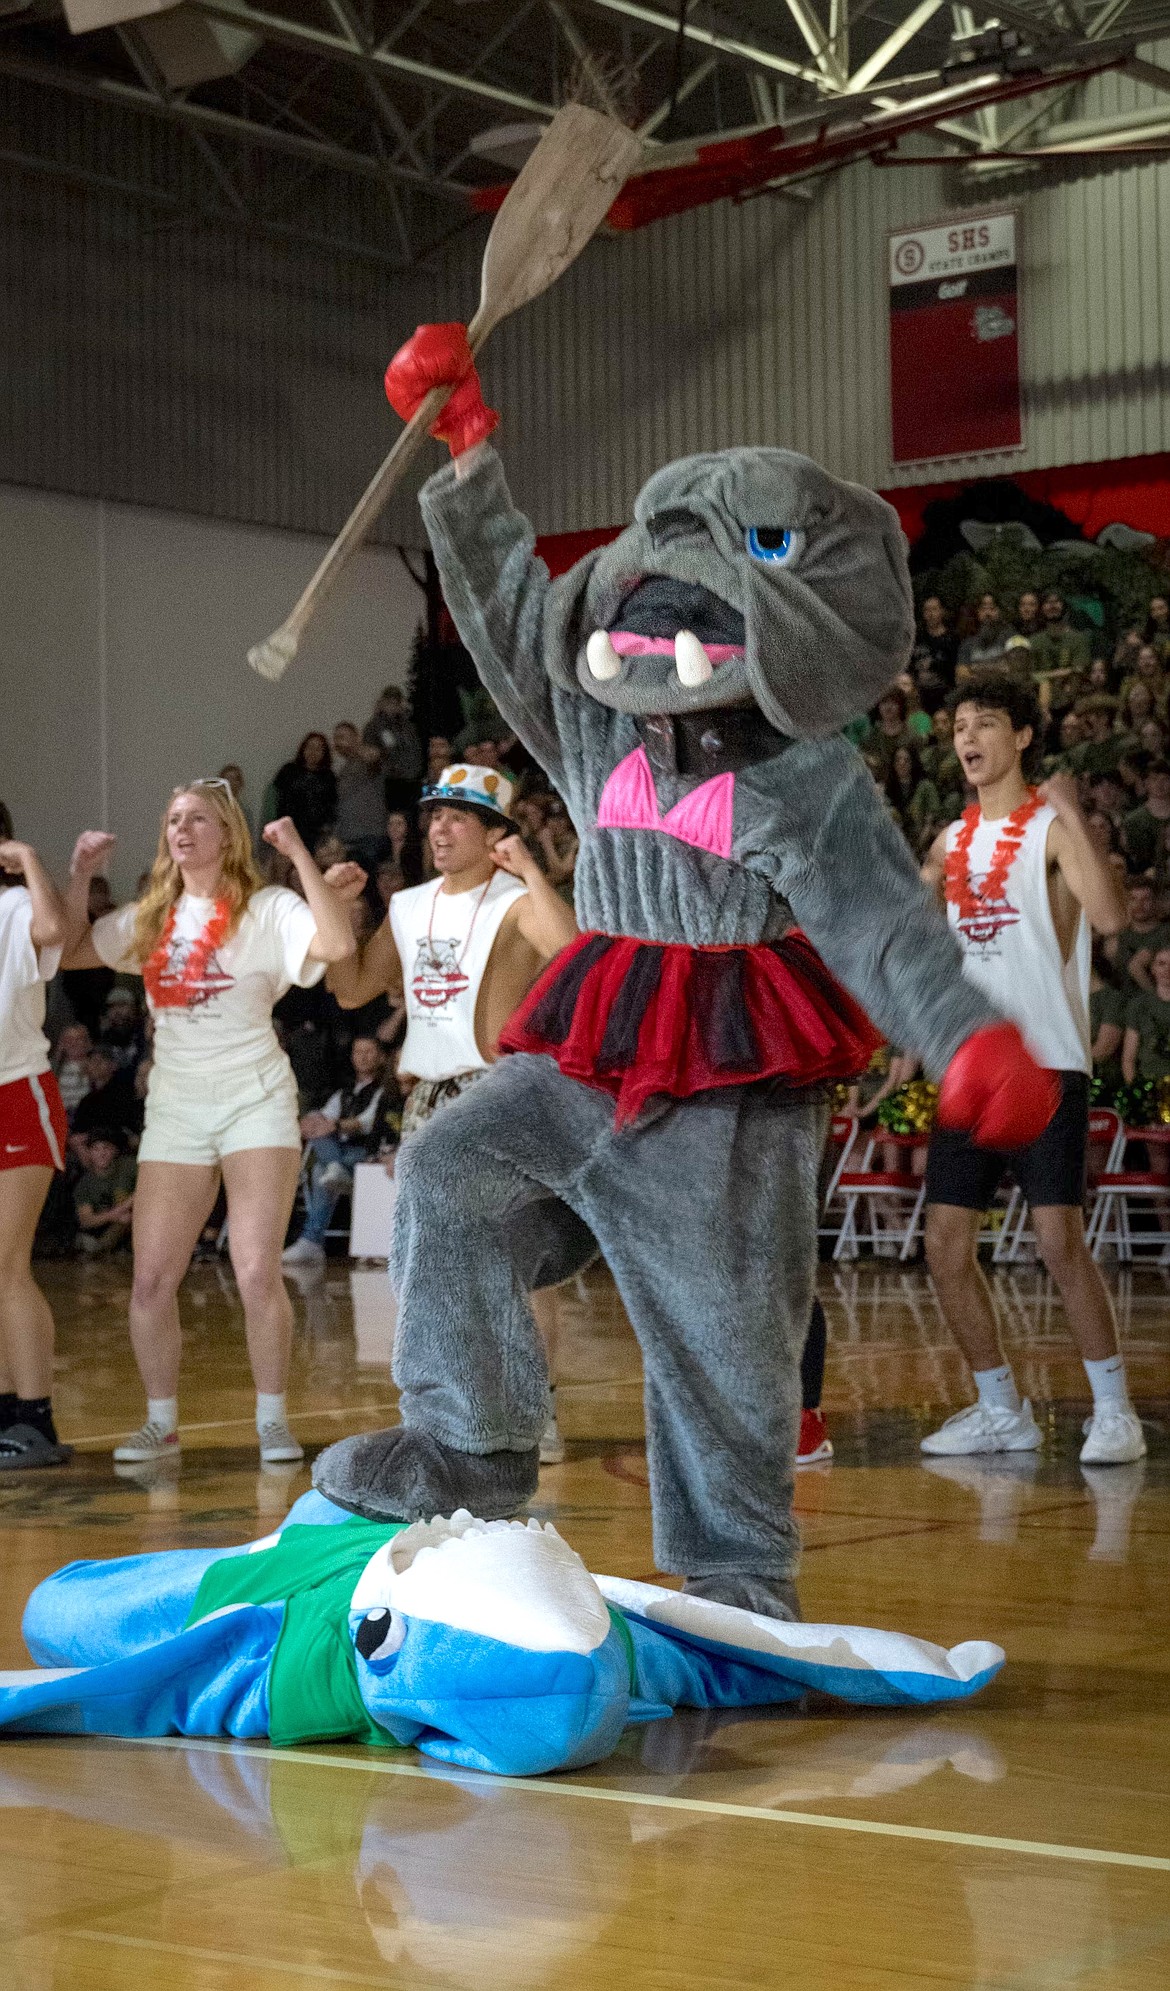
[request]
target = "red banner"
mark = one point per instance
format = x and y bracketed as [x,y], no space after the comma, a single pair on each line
[954,340]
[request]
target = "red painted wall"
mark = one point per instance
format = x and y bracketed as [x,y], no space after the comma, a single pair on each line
[1134,489]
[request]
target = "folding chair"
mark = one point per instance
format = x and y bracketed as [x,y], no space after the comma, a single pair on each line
[843,1131]
[1116,1188]
[891,1189]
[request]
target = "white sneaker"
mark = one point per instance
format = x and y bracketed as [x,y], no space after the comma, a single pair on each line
[278,1447]
[150,1441]
[552,1445]
[303,1252]
[1113,1436]
[980,1428]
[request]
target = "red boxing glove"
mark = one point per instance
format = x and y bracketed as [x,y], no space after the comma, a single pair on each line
[994,1089]
[439,356]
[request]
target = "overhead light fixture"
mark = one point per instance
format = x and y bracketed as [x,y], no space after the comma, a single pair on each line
[1002,49]
[507,145]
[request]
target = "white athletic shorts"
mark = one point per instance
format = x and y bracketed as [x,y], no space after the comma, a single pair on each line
[202,1119]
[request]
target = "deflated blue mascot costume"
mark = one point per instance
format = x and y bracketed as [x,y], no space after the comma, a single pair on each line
[486,1644]
[746,906]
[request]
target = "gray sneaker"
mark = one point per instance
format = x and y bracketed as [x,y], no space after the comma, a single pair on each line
[278,1447]
[23,1448]
[150,1441]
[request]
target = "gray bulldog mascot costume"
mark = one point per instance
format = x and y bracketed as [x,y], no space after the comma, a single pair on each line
[746,905]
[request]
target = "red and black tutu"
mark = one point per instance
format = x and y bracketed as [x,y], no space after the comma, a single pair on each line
[639,1018]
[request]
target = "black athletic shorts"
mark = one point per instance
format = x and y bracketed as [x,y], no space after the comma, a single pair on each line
[1050,1171]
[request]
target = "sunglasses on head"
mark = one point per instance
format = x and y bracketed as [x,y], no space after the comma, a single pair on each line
[202,781]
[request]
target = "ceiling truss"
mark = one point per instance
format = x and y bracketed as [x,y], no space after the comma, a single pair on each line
[388,96]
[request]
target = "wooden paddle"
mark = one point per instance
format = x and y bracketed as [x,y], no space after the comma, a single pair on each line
[553,207]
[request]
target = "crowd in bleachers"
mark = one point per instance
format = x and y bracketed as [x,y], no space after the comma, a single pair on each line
[354,794]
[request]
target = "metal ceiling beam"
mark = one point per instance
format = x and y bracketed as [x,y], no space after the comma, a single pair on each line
[839,24]
[483,55]
[817,40]
[1148,72]
[893,44]
[388,114]
[691,81]
[126,96]
[152,76]
[377,61]
[585,56]
[160,198]
[739,51]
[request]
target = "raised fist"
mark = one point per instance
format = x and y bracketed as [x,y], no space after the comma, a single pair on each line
[284,836]
[347,880]
[994,1090]
[90,853]
[439,356]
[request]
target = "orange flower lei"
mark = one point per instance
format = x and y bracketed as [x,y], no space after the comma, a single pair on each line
[958,887]
[168,990]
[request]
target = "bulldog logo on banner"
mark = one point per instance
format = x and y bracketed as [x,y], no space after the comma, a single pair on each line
[954,339]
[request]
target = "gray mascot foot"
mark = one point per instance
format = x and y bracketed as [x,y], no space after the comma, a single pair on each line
[768,1596]
[406,1475]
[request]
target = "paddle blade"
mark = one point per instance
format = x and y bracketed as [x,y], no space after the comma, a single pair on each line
[555,205]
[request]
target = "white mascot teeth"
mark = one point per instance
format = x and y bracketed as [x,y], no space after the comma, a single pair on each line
[601,657]
[691,660]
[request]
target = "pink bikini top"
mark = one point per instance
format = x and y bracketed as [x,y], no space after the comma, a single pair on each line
[703,818]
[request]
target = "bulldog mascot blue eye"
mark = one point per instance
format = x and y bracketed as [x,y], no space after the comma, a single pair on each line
[486,1644]
[751,921]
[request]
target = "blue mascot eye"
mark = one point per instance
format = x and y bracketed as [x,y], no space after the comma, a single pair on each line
[778,546]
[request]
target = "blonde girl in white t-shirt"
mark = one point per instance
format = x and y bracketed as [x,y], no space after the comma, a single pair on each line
[32,1145]
[216,949]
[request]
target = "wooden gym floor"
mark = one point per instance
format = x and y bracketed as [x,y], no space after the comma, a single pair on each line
[1018,1844]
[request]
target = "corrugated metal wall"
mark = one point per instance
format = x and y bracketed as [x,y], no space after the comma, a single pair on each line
[238,377]
[170,364]
[767,323]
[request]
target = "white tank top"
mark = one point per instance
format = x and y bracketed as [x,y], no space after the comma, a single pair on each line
[444,940]
[1011,950]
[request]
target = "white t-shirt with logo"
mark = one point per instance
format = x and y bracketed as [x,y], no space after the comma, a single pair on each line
[24,970]
[224,1023]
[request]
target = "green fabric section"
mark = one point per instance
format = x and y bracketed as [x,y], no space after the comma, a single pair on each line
[623,1631]
[313,1691]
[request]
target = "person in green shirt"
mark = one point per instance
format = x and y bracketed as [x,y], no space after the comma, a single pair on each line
[104,1197]
[1145,1052]
[941,765]
[1132,950]
[914,799]
[1144,829]
[1059,647]
[1107,1012]
[1103,746]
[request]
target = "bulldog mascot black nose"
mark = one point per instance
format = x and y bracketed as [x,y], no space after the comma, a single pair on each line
[747,907]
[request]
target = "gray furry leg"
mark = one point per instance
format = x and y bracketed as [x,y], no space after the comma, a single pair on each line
[707,1215]
[769,1597]
[475,1186]
[406,1475]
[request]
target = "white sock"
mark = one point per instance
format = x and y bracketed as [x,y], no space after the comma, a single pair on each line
[163,1411]
[997,1389]
[1107,1381]
[271,1408]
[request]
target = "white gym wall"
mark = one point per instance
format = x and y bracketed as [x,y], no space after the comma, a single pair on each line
[123,635]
